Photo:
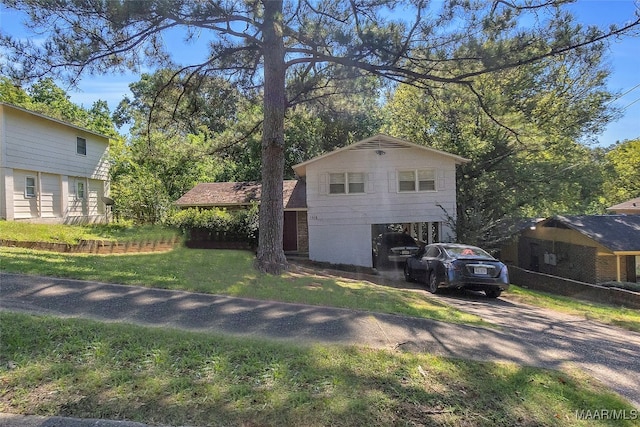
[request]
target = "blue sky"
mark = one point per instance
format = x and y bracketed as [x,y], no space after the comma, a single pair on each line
[623,59]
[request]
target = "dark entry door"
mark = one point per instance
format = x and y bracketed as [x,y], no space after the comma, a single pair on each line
[631,269]
[290,237]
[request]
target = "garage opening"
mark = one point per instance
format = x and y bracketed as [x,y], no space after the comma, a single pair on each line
[393,243]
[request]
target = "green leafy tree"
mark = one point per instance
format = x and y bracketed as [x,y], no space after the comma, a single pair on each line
[258,43]
[523,142]
[623,172]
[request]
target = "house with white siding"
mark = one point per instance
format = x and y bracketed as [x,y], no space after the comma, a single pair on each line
[343,199]
[361,190]
[51,171]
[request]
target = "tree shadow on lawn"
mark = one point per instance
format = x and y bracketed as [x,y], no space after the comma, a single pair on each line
[81,368]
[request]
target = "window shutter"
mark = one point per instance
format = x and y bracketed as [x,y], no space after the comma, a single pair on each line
[323,186]
[392,182]
[441,180]
[370,188]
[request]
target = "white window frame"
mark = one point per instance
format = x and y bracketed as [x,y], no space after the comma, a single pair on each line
[418,182]
[81,142]
[349,181]
[34,187]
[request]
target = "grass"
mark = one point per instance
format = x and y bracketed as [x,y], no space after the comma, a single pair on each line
[230,273]
[73,234]
[626,318]
[81,368]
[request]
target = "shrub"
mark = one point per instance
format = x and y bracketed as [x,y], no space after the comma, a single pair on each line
[217,224]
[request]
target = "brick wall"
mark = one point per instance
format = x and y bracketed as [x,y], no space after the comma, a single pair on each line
[303,232]
[572,288]
[562,259]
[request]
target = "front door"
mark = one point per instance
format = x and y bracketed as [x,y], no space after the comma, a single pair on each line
[290,237]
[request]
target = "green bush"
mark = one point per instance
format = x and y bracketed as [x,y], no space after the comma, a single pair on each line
[629,286]
[217,224]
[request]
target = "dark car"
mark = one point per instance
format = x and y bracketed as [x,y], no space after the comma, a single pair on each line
[448,265]
[391,248]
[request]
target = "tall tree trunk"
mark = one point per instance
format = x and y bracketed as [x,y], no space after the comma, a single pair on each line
[271,257]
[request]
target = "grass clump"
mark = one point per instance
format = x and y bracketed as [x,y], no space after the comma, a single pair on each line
[81,368]
[626,318]
[73,234]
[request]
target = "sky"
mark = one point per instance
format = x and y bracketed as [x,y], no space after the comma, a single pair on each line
[623,59]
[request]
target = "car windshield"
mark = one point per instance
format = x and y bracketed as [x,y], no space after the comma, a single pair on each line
[466,251]
[399,239]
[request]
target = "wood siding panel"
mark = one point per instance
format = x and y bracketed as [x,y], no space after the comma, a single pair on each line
[51,193]
[24,207]
[35,143]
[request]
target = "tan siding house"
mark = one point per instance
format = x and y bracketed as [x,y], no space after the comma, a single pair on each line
[50,171]
[588,248]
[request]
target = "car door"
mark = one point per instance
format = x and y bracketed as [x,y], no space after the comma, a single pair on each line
[426,262]
[430,261]
[415,264]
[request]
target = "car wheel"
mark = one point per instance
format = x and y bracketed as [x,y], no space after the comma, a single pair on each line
[433,283]
[493,293]
[407,273]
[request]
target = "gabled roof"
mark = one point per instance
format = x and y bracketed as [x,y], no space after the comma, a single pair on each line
[378,142]
[630,206]
[43,116]
[619,233]
[225,194]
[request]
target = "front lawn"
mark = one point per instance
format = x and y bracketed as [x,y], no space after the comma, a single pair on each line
[88,369]
[73,234]
[227,272]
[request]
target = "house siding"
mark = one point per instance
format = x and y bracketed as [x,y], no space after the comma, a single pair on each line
[45,149]
[344,220]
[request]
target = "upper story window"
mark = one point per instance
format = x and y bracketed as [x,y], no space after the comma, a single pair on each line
[346,183]
[81,146]
[30,187]
[416,180]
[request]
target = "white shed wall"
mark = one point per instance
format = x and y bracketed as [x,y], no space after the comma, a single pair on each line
[341,244]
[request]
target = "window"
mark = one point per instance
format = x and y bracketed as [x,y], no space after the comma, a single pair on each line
[356,182]
[407,181]
[426,180]
[420,180]
[80,190]
[336,183]
[81,146]
[433,252]
[346,183]
[30,187]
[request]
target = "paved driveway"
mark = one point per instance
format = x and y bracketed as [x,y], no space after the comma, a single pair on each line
[526,335]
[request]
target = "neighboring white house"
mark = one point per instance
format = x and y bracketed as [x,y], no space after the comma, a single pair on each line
[345,198]
[50,171]
[355,192]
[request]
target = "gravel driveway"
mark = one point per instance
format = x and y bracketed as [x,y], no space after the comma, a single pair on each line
[526,335]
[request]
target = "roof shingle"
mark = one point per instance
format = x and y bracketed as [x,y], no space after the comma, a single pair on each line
[241,194]
[619,233]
